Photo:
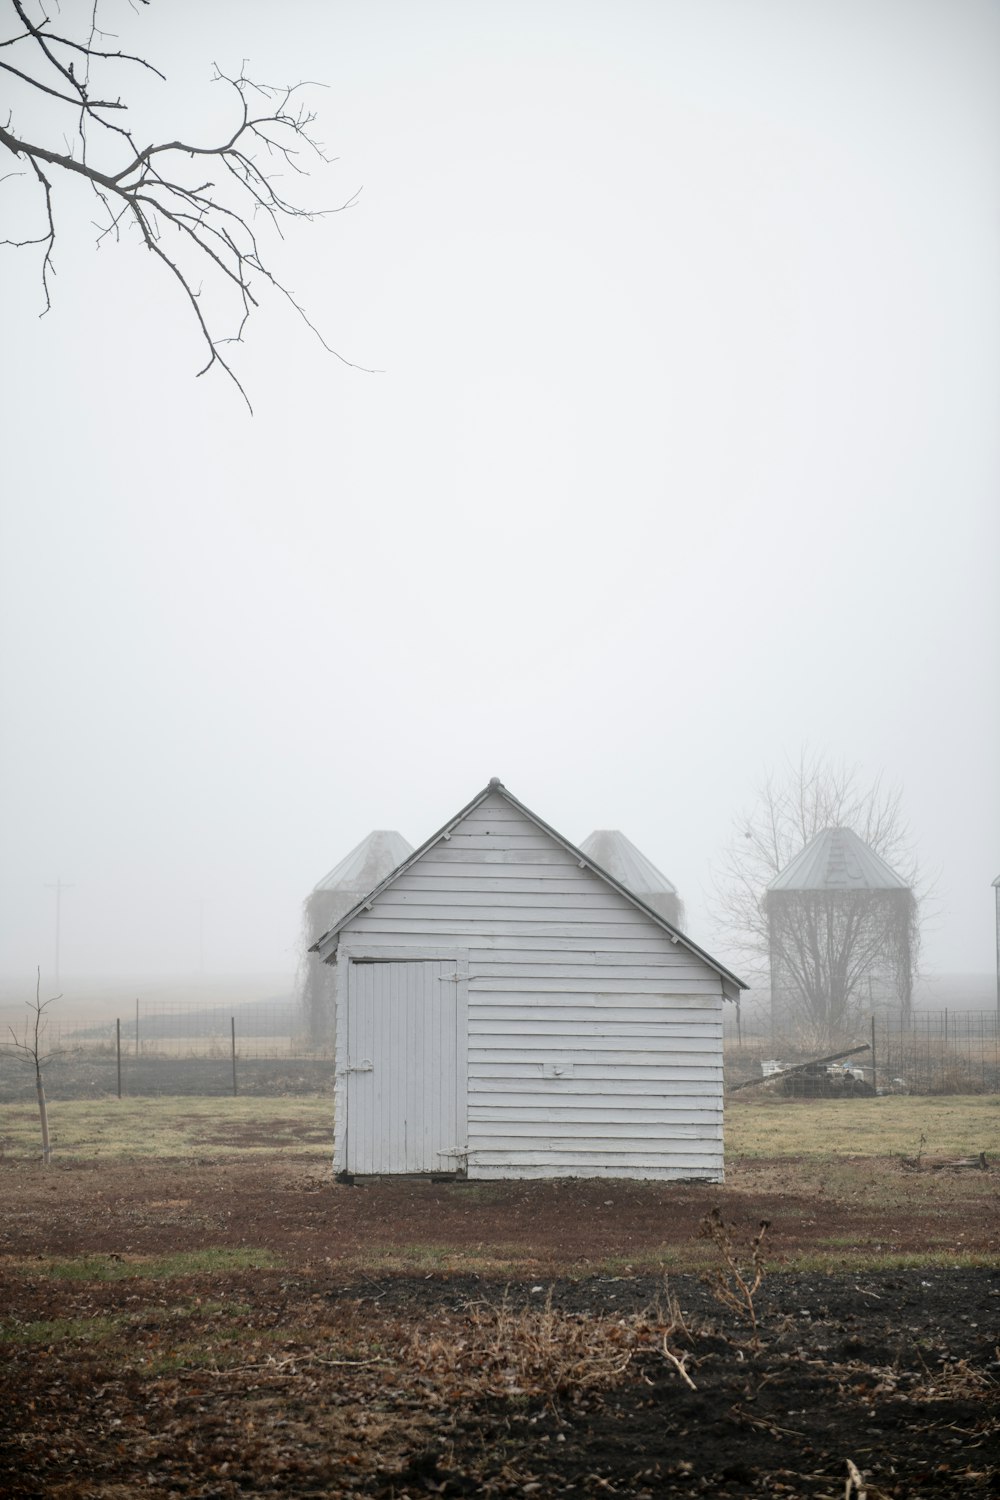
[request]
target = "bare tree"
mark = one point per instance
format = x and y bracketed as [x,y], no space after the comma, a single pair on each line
[836,955]
[30,1048]
[197,206]
[832,952]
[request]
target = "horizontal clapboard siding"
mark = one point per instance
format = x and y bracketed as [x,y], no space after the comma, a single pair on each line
[642,1010]
[602,926]
[601,1074]
[586,1163]
[488,1031]
[531,1046]
[632,1095]
[482,944]
[688,1172]
[594,1041]
[624,979]
[607,1079]
[579,1110]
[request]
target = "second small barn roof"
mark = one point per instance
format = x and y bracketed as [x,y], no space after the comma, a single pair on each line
[326,945]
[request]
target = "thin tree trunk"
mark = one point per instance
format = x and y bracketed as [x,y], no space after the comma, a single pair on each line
[44,1117]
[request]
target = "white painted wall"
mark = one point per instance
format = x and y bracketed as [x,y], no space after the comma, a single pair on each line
[594,1043]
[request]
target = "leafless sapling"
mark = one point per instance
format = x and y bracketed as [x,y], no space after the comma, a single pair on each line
[30,1048]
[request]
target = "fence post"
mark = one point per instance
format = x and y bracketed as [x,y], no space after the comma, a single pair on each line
[874,1069]
[137,1026]
[232,1025]
[118,1050]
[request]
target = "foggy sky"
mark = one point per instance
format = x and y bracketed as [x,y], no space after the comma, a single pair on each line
[682,454]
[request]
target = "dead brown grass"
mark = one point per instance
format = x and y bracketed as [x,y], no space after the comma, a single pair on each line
[507,1350]
[735,1278]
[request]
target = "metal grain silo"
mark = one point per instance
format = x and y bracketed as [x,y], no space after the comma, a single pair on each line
[842,937]
[341,888]
[609,848]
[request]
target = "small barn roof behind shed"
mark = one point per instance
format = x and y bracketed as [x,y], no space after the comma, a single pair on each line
[837,860]
[326,945]
[609,848]
[368,863]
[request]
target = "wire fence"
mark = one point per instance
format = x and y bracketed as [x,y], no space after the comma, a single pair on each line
[257,1047]
[930,1052]
[264,1047]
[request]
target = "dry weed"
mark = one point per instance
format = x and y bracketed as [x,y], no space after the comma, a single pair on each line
[521,1351]
[956,1380]
[515,1351]
[730,1284]
[674,1326]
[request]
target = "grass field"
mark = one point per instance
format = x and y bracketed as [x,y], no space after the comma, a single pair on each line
[954,1125]
[171,1127]
[820,1130]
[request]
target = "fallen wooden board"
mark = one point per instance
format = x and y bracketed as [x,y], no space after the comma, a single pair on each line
[815,1062]
[956,1164]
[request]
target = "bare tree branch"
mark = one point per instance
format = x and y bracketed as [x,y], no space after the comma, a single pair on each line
[195,226]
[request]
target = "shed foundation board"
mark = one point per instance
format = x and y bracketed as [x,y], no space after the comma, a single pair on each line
[633,1174]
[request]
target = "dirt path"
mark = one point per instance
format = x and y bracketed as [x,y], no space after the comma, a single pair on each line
[289,1206]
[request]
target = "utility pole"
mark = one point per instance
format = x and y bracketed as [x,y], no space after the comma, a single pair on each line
[59,887]
[201,935]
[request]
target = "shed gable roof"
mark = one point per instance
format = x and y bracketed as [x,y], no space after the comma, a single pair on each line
[326,945]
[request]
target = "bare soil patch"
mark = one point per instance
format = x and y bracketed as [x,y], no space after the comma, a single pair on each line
[289,1205]
[411,1338]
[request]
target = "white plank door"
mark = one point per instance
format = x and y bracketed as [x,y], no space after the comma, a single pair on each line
[405,1068]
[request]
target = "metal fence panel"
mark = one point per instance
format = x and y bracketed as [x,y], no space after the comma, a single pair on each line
[179,1048]
[932,1052]
[263,1047]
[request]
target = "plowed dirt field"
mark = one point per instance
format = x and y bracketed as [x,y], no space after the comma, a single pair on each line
[242,1326]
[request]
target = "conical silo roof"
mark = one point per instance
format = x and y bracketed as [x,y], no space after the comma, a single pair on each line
[837,860]
[367,864]
[609,848]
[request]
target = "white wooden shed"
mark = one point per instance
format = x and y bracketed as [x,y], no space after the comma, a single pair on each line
[506,1008]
